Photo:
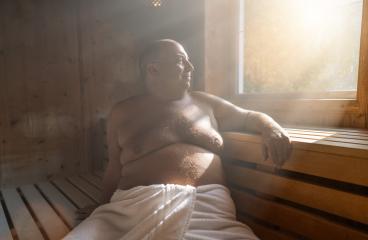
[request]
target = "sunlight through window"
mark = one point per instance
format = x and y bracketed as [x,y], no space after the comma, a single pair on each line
[292,46]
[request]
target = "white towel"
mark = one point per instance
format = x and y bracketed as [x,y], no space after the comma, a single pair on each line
[165,212]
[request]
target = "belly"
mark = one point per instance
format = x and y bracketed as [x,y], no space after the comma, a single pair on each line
[174,164]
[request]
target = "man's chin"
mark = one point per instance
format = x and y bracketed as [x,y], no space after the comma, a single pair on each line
[187,85]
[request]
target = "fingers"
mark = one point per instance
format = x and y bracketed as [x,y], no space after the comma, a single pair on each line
[284,147]
[273,150]
[279,148]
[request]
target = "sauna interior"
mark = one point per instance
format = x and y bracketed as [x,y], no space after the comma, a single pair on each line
[64,64]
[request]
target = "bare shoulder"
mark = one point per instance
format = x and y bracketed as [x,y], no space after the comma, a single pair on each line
[203,96]
[210,99]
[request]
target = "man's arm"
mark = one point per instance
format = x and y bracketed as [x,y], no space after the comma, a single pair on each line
[113,169]
[276,142]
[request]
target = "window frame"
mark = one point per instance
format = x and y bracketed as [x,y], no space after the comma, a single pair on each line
[315,102]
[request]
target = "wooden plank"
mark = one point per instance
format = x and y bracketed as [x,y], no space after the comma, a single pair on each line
[351,132]
[24,224]
[40,94]
[5,233]
[345,146]
[50,221]
[65,208]
[343,204]
[349,143]
[326,133]
[61,83]
[327,165]
[264,232]
[79,198]
[3,91]
[362,94]
[350,151]
[86,187]
[298,221]
[329,139]
[93,180]
[348,147]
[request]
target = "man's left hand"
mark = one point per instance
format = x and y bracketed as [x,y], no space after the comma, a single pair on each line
[276,145]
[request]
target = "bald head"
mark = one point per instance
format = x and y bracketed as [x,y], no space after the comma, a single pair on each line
[152,52]
[166,69]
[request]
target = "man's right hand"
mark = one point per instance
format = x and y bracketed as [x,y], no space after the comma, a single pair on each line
[84,212]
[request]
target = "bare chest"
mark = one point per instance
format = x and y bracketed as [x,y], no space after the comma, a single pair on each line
[155,129]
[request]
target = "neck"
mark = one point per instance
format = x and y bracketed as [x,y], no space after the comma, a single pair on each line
[165,95]
[169,98]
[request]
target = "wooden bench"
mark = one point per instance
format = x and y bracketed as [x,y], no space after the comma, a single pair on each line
[321,193]
[46,210]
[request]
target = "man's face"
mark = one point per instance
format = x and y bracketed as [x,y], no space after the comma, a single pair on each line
[174,70]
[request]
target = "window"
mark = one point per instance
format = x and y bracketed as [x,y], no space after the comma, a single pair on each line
[299,48]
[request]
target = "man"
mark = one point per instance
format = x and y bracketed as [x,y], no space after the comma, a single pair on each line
[168,136]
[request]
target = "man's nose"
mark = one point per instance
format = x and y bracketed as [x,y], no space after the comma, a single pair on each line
[189,66]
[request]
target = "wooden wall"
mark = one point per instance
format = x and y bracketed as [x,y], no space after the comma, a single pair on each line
[62,66]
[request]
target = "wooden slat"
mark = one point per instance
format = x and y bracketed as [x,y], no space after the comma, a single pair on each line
[264,232]
[40,90]
[329,139]
[362,91]
[327,165]
[79,198]
[65,208]
[298,221]
[332,134]
[23,222]
[346,146]
[352,150]
[5,233]
[93,179]
[86,187]
[340,203]
[350,131]
[50,221]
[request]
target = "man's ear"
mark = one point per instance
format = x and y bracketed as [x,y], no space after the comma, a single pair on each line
[152,69]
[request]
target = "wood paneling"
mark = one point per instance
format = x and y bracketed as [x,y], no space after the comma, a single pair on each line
[220,47]
[363,67]
[3,119]
[298,221]
[54,227]
[61,204]
[263,232]
[41,90]
[24,224]
[319,193]
[63,64]
[5,233]
[40,211]
[77,196]
[313,159]
[314,196]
